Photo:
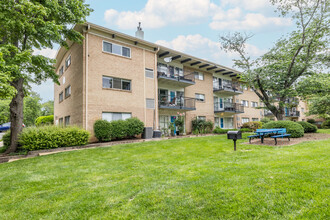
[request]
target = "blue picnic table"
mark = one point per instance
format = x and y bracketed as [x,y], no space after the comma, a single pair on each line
[262,132]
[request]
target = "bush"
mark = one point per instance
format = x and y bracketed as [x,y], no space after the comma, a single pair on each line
[218,130]
[253,125]
[107,131]
[243,130]
[311,120]
[47,137]
[265,120]
[102,130]
[326,124]
[308,127]
[135,127]
[118,129]
[44,120]
[293,128]
[200,126]
[6,142]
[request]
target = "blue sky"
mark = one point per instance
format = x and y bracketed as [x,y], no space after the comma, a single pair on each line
[190,26]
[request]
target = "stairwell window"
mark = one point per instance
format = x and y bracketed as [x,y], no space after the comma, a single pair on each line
[149,73]
[67,91]
[68,62]
[61,71]
[116,83]
[60,96]
[116,49]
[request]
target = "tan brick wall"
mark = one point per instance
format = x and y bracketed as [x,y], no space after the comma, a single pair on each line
[73,75]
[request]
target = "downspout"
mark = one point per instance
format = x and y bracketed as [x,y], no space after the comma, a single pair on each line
[86,86]
[156,93]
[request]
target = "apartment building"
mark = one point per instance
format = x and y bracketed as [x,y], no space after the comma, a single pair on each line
[115,76]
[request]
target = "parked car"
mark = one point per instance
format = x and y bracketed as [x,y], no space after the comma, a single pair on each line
[6,126]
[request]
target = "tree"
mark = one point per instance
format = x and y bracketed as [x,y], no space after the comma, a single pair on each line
[27,25]
[316,90]
[47,108]
[274,75]
[32,109]
[4,111]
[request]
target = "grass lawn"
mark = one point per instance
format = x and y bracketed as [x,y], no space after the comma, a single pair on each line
[201,178]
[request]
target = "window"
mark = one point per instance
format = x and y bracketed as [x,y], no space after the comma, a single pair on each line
[201,118]
[67,91]
[254,104]
[302,110]
[60,121]
[116,83]
[149,73]
[244,120]
[114,116]
[237,100]
[68,61]
[199,76]
[61,71]
[63,80]
[67,120]
[245,103]
[150,103]
[163,122]
[60,97]
[200,97]
[255,119]
[116,49]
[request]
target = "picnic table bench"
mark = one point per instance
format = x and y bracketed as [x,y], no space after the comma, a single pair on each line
[276,132]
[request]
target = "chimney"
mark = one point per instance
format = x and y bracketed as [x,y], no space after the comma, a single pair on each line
[139,33]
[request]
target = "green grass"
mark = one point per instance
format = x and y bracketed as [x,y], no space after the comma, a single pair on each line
[192,178]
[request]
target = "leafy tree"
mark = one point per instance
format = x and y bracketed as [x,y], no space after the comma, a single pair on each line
[274,75]
[32,109]
[27,25]
[47,108]
[316,90]
[4,111]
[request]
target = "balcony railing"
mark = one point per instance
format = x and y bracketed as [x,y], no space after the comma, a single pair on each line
[176,102]
[228,107]
[292,101]
[292,114]
[227,86]
[175,76]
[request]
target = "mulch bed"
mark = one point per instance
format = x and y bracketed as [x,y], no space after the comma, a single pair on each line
[293,141]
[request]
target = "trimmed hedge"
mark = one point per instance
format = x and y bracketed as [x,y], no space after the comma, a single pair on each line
[254,125]
[44,120]
[308,127]
[47,137]
[107,131]
[293,128]
[326,124]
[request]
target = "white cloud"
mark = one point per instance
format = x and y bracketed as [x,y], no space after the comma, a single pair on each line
[47,52]
[229,14]
[200,46]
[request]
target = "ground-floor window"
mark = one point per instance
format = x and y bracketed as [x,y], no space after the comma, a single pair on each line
[67,120]
[113,116]
[164,121]
[201,118]
[226,123]
[244,120]
[255,119]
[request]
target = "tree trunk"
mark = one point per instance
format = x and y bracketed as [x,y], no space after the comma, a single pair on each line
[16,115]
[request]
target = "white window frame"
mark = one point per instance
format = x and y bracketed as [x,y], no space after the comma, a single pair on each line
[245,103]
[254,104]
[61,71]
[126,114]
[244,120]
[121,55]
[66,61]
[201,118]
[67,95]
[121,83]
[200,76]
[200,97]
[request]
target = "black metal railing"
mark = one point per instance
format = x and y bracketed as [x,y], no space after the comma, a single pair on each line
[186,77]
[292,114]
[228,107]
[227,85]
[177,102]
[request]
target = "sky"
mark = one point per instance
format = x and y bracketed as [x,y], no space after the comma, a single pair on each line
[189,26]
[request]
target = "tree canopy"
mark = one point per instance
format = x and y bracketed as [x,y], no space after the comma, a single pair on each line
[274,75]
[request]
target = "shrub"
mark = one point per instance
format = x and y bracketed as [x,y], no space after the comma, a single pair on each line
[326,124]
[6,142]
[135,127]
[44,120]
[265,120]
[218,130]
[308,127]
[102,130]
[253,125]
[243,130]
[118,129]
[201,126]
[293,128]
[47,137]
[311,120]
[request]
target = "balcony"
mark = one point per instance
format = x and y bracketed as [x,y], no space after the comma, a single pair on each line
[292,114]
[292,101]
[227,88]
[176,102]
[228,107]
[168,78]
